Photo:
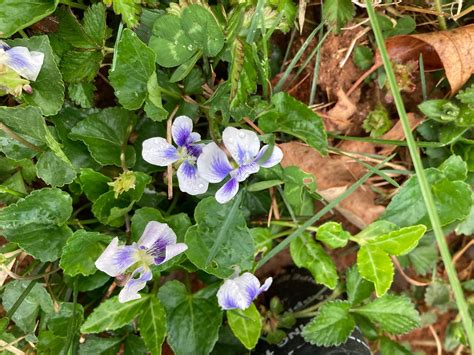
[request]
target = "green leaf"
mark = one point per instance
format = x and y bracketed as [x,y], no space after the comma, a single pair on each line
[394,314]
[193,321]
[437,294]
[25,315]
[298,184]
[224,226]
[337,13]
[454,168]
[246,325]
[363,57]
[154,105]
[333,235]
[129,9]
[184,69]
[105,133]
[17,15]
[135,63]
[295,118]
[94,23]
[81,251]
[306,253]
[452,200]
[375,229]
[243,72]
[169,42]
[77,66]
[82,94]
[202,29]
[375,265]
[152,325]
[43,212]
[93,183]
[48,89]
[399,242]
[442,111]
[111,315]
[53,170]
[332,325]
[358,289]
[100,345]
[389,347]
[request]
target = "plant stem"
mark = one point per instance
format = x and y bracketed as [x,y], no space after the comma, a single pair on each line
[73,4]
[441,19]
[26,291]
[6,190]
[16,137]
[424,184]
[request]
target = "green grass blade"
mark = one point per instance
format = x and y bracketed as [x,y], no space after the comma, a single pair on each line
[424,185]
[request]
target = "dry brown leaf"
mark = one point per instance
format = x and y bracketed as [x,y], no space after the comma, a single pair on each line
[396,133]
[452,50]
[333,176]
[338,117]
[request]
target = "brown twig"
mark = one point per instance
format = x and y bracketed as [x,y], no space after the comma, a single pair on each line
[359,81]
[462,251]
[253,125]
[406,277]
[439,347]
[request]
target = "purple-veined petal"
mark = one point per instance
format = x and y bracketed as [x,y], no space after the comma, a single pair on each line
[238,292]
[21,60]
[135,284]
[116,259]
[195,137]
[244,171]
[4,45]
[157,234]
[174,250]
[274,159]
[266,285]
[227,191]
[242,144]
[213,164]
[189,179]
[158,151]
[181,130]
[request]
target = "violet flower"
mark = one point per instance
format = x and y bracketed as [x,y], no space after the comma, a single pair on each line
[19,59]
[238,292]
[158,151]
[244,147]
[156,246]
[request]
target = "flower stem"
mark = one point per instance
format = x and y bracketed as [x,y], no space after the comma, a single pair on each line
[16,137]
[424,184]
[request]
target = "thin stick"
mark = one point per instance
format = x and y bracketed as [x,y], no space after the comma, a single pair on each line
[439,347]
[253,125]
[462,251]
[406,277]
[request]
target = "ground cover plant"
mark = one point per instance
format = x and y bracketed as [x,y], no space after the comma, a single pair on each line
[162,163]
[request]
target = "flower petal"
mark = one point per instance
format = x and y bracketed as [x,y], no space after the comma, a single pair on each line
[238,292]
[195,137]
[227,191]
[133,285]
[245,171]
[274,159]
[189,179]
[181,130]
[266,285]
[21,60]
[174,250]
[157,235]
[115,259]
[213,164]
[158,151]
[242,144]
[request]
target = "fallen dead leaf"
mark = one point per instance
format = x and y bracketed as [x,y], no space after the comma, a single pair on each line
[451,50]
[396,133]
[338,118]
[333,177]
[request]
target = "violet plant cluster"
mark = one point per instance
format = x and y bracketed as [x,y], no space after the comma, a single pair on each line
[197,166]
